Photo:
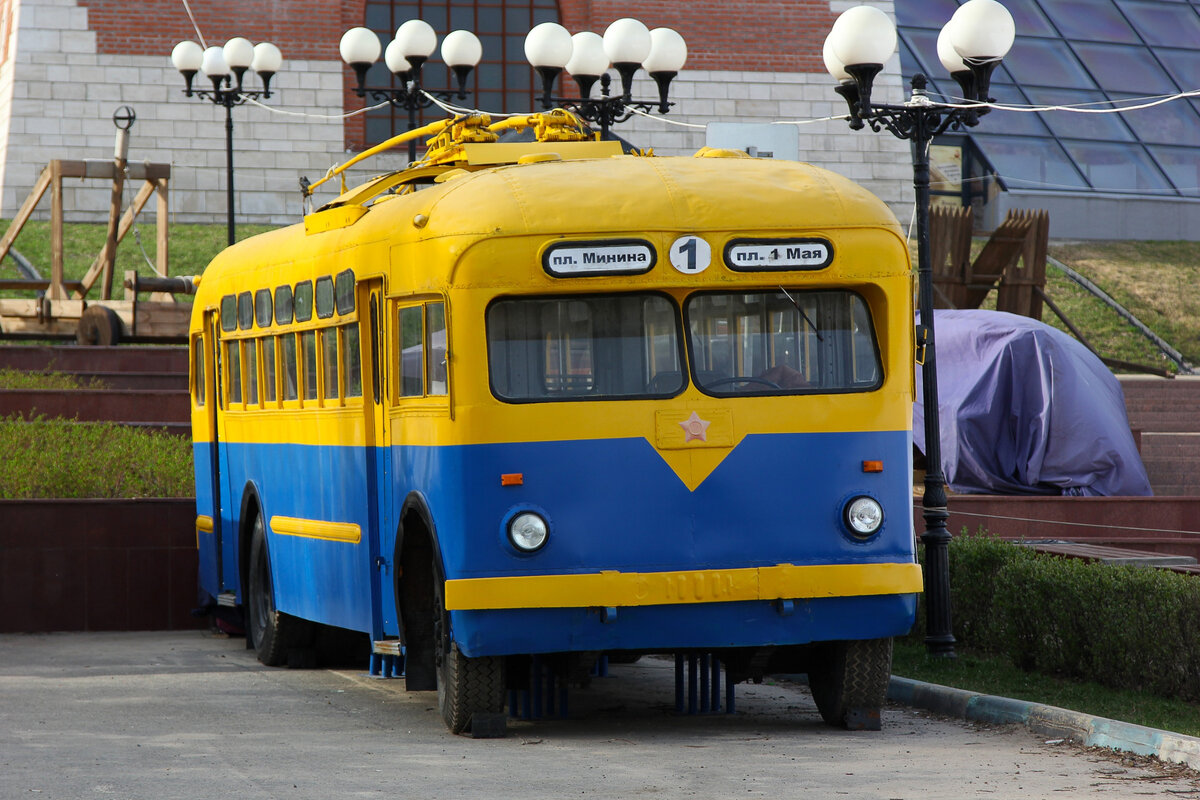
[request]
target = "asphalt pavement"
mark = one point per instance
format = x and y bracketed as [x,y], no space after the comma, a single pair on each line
[194,715]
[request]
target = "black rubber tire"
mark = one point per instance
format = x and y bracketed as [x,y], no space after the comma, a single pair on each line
[849,682]
[98,326]
[465,686]
[273,633]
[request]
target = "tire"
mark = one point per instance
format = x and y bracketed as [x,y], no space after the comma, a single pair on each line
[849,684]
[465,686]
[272,633]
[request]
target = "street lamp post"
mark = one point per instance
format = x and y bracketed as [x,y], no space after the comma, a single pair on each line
[414,43]
[627,45]
[237,56]
[970,46]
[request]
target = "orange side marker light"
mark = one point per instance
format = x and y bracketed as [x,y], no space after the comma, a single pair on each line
[872,466]
[512,479]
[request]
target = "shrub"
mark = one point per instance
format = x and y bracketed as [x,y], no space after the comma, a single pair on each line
[1121,626]
[64,458]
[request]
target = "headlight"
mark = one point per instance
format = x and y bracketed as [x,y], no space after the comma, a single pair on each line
[528,531]
[863,516]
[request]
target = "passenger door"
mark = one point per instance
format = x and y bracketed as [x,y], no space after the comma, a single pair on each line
[374,341]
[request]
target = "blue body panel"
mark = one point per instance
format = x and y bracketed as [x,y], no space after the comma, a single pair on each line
[612,505]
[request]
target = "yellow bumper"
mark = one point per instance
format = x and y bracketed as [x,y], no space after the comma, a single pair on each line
[611,589]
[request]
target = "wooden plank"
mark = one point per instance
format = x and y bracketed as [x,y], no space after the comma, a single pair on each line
[1109,555]
[162,218]
[23,214]
[24,285]
[56,290]
[1017,293]
[25,316]
[108,255]
[105,169]
[163,319]
[950,253]
[1002,250]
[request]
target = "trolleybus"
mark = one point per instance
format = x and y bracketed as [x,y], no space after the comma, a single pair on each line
[547,397]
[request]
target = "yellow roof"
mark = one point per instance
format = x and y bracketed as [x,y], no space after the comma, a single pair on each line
[590,197]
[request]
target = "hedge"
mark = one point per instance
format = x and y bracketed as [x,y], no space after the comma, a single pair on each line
[1122,626]
[62,458]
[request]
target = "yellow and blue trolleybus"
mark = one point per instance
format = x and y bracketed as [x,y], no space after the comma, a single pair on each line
[546,397]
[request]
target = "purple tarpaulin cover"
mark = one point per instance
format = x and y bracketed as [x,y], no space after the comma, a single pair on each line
[1026,409]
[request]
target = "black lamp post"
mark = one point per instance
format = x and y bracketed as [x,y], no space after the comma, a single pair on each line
[237,56]
[414,43]
[971,44]
[627,45]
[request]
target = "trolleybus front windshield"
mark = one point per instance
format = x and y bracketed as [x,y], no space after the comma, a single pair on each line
[628,346]
[782,342]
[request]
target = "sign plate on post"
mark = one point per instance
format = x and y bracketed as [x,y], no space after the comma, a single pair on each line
[612,257]
[766,255]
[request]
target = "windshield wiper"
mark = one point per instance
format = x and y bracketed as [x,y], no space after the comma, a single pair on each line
[804,316]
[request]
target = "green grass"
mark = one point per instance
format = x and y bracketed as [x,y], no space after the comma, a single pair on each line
[63,458]
[17,379]
[191,248]
[992,675]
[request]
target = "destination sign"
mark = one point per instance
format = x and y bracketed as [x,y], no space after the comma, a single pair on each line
[766,255]
[612,257]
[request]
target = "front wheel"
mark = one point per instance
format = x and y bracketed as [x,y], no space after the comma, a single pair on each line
[849,682]
[272,632]
[465,686]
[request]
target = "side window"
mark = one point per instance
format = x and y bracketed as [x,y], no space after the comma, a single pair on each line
[198,370]
[229,313]
[245,311]
[308,352]
[268,362]
[324,297]
[344,290]
[251,372]
[283,305]
[288,362]
[262,308]
[329,362]
[233,363]
[302,301]
[412,352]
[351,360]
[423,350]
[435,348]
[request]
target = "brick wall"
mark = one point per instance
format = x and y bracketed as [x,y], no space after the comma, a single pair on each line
[762,36]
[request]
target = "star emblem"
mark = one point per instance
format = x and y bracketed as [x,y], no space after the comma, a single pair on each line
[695,428]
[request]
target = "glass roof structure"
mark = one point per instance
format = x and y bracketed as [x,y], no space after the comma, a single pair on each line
[1088,54]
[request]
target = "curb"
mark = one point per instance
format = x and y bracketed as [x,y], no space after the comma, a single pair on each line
[1044,720]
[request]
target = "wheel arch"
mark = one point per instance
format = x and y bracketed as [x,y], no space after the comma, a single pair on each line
[251,504]
[418,560]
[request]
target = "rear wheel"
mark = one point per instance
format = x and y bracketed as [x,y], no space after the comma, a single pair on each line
[850,683]
[465,686]
[272,632]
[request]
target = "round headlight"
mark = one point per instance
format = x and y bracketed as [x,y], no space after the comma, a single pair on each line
[528,531]
[863,516]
